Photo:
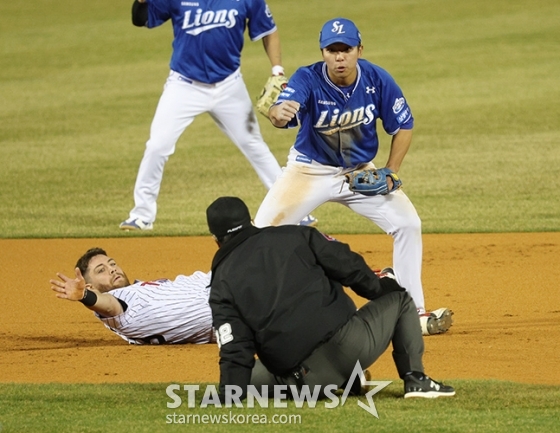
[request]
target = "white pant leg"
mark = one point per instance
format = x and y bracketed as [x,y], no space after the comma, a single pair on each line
[298,191]
[232,110]
[395,215]
[179,104]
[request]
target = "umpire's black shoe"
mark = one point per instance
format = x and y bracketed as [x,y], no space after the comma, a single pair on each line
[420,385]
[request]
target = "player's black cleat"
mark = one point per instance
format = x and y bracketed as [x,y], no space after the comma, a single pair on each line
[420,385]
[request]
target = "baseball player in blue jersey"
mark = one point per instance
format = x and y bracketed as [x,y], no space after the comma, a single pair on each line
[205,77]
[337,103]
[145,312]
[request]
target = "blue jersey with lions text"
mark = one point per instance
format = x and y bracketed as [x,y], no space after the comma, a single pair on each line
[338,125]
[209,34]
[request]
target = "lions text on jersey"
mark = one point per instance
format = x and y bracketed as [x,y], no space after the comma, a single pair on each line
[338,125]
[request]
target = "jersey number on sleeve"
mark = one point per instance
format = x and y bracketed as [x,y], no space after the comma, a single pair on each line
[223,334]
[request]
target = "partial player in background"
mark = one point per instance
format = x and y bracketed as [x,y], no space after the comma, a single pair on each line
[145,312]
[336,104]
[205,77]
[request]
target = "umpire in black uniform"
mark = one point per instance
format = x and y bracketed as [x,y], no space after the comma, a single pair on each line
[278,292]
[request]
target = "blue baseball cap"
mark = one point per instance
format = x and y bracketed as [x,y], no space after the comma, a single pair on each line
[339,30]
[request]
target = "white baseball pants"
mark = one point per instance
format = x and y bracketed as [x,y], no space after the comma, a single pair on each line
[228,103]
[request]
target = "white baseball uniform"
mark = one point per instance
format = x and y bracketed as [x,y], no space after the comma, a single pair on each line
[205,77]
[164,311]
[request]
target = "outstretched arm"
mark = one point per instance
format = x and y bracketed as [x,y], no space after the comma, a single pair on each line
[75,289]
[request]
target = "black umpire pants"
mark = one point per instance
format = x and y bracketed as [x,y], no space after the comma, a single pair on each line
[366,336]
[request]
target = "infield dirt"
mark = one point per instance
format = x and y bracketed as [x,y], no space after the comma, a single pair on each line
[503,289]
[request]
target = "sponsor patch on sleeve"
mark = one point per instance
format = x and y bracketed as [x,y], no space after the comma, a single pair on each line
[404,116]
[398,105]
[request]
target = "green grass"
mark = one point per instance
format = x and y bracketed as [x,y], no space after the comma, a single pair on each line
[79,86]
[491,406]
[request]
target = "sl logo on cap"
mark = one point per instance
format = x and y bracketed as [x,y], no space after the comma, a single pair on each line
[338,28]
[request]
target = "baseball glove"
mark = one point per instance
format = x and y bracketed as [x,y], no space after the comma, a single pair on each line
[269,95]
[373,181]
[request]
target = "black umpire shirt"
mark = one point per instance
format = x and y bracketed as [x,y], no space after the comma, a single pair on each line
[278,292]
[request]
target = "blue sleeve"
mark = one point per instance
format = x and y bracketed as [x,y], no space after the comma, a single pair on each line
[159,11]
[260,19]
[299,90]
[395,111]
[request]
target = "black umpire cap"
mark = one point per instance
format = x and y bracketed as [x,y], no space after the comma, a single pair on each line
[227,215]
